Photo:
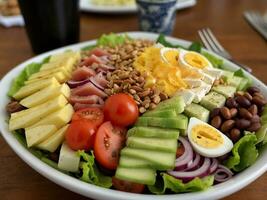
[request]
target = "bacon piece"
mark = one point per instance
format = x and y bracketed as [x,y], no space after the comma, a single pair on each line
[91,99]
[82,73]
[88,89]
[78,106]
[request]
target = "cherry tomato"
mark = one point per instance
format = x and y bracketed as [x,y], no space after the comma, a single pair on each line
[109,140]
[127,186]
[180,151]
[121,110]
[92,115]
[80,135]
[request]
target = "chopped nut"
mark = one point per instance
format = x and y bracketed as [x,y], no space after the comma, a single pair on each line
[142,110]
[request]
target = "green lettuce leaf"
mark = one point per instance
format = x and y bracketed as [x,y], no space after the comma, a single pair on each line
[247,81]
[215,61]
[89,47]
[244,153]
[30,69]
[112,39]
[90,172]
[162,40]
[167,182]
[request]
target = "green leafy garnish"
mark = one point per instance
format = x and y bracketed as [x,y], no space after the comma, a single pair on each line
[90,172]
[215,61]
[166,182]
[88,48]
[112,39]
[195,46]
[162,40]
[244,153]
[30,69]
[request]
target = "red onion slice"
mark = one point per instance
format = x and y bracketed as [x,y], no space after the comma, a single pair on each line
[95,83]
[182,162]
[222,174]
[194,164]
[214,165]
[202,171]
[74,84]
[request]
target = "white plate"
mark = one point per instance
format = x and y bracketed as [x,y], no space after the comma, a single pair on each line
[87,6]
[236,183]
[9,21]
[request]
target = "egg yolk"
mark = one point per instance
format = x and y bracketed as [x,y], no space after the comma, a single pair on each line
[206,136]
[195,60]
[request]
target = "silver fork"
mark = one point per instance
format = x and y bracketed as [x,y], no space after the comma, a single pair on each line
[212,44]
[257,21]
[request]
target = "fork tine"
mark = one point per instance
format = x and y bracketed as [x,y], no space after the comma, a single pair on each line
[203,39]
[210,41]
[214,39]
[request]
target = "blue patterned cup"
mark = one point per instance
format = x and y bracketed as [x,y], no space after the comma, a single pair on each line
[157,15]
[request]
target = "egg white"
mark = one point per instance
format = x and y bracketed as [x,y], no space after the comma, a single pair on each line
[223,149]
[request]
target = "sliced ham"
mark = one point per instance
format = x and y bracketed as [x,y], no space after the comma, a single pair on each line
[100,79]
[78,106]
[88,89]
[99,52]
[92,59]
[91,99]
[82,73]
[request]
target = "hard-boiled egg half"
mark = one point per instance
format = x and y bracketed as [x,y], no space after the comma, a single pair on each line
[207,140]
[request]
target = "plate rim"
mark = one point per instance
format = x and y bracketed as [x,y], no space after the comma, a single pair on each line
[93,191]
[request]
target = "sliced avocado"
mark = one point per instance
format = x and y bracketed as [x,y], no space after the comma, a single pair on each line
[130,162]
[159,160]
[196,110]
[160,144]
[152,132]
[160,113]
[213,100]
[137,175]
[178,122]
[225,90]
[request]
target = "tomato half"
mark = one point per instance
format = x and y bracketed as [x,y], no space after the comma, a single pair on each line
[127,186]
[121,110]
[92,115]
[109,140]
[80,135]
[180,151]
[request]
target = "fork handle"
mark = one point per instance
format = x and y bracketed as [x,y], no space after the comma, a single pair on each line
[245,67]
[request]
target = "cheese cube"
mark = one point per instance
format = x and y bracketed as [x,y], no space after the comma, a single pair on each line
[45,95]
[59,118]
[38,134]
[68,159]
[34,87]
[28,117]
[53,142]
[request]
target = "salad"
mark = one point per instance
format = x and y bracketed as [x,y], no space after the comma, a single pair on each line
[139,116]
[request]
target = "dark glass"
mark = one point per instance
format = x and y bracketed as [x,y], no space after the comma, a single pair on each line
[51,23]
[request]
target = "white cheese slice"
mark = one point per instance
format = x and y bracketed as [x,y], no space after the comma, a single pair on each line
[187,95]
[68,159]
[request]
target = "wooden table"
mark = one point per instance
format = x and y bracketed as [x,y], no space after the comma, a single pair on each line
[19,181]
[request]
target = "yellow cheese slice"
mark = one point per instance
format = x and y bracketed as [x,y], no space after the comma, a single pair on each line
[59,118]
[53,142]
[30,116]
[45,95]
[38,134]
[34,87]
